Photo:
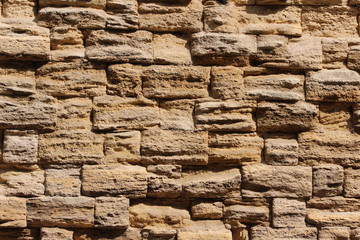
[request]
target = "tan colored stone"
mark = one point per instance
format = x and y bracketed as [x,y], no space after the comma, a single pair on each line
[78,3]
[66,44]
[124,80]
[163,233]
[281,151]
[335,53]
[18,8]
[227,82]
[63,182]
[12,212]
[320,2]
[276,181]
[105,234]
[171,18]
[235,148]
[212,184]
[134,47]
[199,230]
[111,112]
[142,215]
[265,233]
[177,114]
[123,14]
[74,113]
[334,204]
[75,147]
[288,213]
[171,49]
[356,117]
[175,82]
[17,79]
[355,234]
[247,214]
[20,147]
[163,187]
[351,182]
[122,147]
[114,180]
[337,147]
[204,210]
[20,233]
[111,212]
[327,180]
[55,233]
[353,58]
[221,18]
[274,2]
[334,233]
[279,87]
[74,212]
[335,115]
[174,147]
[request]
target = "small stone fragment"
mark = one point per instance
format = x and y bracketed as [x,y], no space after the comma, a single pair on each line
[288,213]
[327,180]
[63,182]
[111,212]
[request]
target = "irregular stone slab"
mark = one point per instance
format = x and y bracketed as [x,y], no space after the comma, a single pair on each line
[288,213]
[135,47]
[227,82]
[114,234]
[281,151]
[35,112]
[222,48]
[286,117]
[335,53]
[122,147]
[171,49]
[13,212]
[351,182]
[79,3]
[166,17]
[175,82]
[213,210]
[247,214]
[276,181]
[76,147]
[73,79]
[170,171]
[335,115]
[22,183]
[198,230]
[63,182]
[20,233]
[114,180]
[212,184]
[328,180]
[111,112]
[334,204]
[66,44]
[280,87]
[72,212]
[333,233]
[111,212]
[337,147]
[235,148]
[74,113]
[160,233]
[174,147]
[232,115]
[338,85]
[143,215]
[19,8]
[265,233]
[124,80]
[17,79]
[334,21]
[123,14]
[177,114]
[53,233]
[20,147]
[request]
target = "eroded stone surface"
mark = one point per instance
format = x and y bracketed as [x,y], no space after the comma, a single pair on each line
[288,213]
[111,212]
[13,212]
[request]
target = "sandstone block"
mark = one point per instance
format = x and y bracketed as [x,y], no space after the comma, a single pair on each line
[351,182]
[227,83]
[17,79]
[235,148]
[247,214]
[353,58]
[114,180]
[12,212]
[170,171]
[135,47]
[74,113]
[176,146]
[279,87]
[288,213]
[79,3]
[231,115]
[74,79]
[210,230]
[20,233]
[222,48]
[264,233]
[55,233]
[175,82]
[276,181]
[112,112]
[171,49]
[212,184]
[355,234]
[319,2]
[204,210]
[281,151]
[335,115]
[19,8]
[163,187]
[114,234]
[335,53]
[124,80]
[160,233]
[111,212]
[20,147]
[74,212]
[221,17]
[286,117]
[356,117]
[123,14]
[330,233]
[177,114]
[328,180]
[66,44]
[63,182]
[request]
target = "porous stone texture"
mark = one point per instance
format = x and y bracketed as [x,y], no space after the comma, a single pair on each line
[179,119]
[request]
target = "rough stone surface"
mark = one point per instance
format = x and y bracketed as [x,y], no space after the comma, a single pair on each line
[247,214]
[328,180]
[13,212]
[262,233]
[63,182]
[55,233]
[288,213]
[111,212]
[281,151]
[20,147]
[351,188]
[212,210]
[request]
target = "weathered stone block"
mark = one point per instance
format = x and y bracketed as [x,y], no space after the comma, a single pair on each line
[356,117]
[265,233]
[111,212]
[55,233]
[12,212]
[20,233]
[211,210]
[335,53]
[66,44]
[171,49]
[63,182]
[73,212]
[79,3]
[334,233]
[198,230]
[335,115]
[112,112]
[328,180]
[114,234]
[123,14]
[177,114]
[18,8]
[288,213]
[163,187]
[281,151]
[124,80]
[247,214]
[351,183]
[17,79]
[170,171]
[74,113]
[227,83]
[114,180]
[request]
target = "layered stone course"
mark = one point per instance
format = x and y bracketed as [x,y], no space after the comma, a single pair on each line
[179,119]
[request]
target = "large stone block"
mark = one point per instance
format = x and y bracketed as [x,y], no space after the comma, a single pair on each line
[334,233]
[111,212]
[19,8]
[177,114]
[12,212]
[209,229]
[207,210]
[56,233]
[74,114]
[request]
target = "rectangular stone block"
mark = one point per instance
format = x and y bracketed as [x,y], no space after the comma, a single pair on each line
[334,233]
[265,233]
[20,233]
[247,214]
[335,53]
[123,14]
[177,114]
[12,212]
[276,181]
[111,112]
[351,183]
[35,112]
[171,49]
[112,212]
[207,210]
[124,80]
[235,148]
[286,117]
[167,17]
[135,47]
[327,180]
[17,79]
[76,147]
[288,213]
[281,151]
[71,212]
[209,229]
[79,3]
[176,82]
[227,83]
[121,234]
[231,115]
[72,79]
[74,114]
[163,187]
[53,233]
[279,87]
[20,147]
[19,8]
[63,182]
[335,115]
[174,147]
[114,180]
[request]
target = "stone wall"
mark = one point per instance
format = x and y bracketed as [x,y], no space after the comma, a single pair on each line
[179,119]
